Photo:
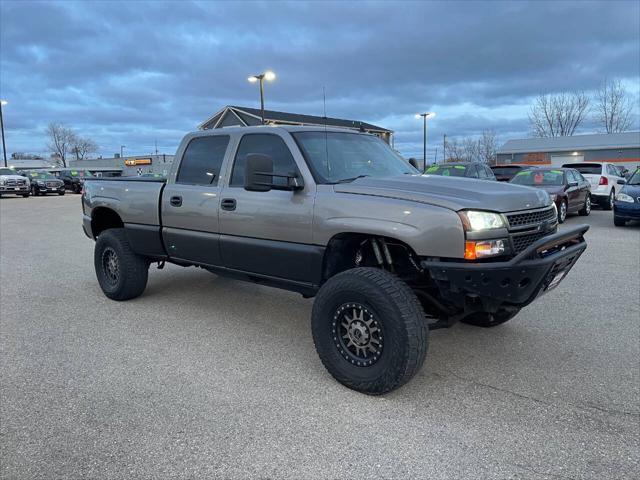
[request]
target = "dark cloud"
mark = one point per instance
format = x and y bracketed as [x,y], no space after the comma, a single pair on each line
[132,72]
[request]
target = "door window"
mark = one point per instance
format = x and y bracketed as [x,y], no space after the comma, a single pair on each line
[266,144]
[202,160]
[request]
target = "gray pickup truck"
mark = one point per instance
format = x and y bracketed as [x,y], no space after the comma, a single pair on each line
[333,214]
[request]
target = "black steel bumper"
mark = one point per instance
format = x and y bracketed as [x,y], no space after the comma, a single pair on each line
[516,282]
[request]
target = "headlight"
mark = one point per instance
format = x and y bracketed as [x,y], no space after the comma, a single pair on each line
[2,181]
[40,183]
[623,197]
[553,197]
[474,220]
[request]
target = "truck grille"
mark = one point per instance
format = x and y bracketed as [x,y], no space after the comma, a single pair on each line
[528,218]
[12,182]
[52,184]
[521,242]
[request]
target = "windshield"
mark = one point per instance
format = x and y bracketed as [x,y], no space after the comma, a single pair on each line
[7,171]
[539,177]
[80,173]
[635,178]
[587,168]
[341,157]
[41,175]
[447,170]
[505,170]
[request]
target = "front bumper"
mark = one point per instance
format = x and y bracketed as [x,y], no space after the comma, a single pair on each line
[517,282]
[627,210]
[14,189]
[56,189]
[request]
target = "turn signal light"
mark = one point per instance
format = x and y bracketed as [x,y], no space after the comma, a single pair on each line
[483,249]
[603,181]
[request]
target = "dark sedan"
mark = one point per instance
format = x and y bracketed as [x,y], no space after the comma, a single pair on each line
[73,179]
[570,191]
[43,183]
[475,170]
[627,204]
[504,173]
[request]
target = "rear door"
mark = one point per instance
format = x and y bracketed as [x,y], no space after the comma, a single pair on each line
[574,192]
[269,233]
[190,202]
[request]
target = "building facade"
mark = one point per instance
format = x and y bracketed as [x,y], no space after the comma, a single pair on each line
[618,148]
[126,166]
[244,116]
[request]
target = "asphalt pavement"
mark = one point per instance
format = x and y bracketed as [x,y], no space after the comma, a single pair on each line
[206,377]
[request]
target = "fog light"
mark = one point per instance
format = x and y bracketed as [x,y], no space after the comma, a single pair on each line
[483,249]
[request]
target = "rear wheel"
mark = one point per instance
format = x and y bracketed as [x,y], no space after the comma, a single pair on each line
[608,205]
[369,330]
[26,195]
[60,193]
[586,209]
[488,320]
[34,191]
[122,274]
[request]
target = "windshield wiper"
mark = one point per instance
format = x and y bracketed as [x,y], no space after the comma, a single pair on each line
[349,180]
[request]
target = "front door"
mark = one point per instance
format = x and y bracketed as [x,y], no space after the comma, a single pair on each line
[269,233]
[190,204]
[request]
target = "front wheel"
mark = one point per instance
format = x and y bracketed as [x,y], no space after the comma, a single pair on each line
[488,320]
[122,274]
[60,193]
[619,222]
[586,209]
[562,211]
[369,330]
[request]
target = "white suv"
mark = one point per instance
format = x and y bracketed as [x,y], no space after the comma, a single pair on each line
[603,177]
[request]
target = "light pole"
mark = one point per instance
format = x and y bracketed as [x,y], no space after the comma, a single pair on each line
[4,146]
[425,116]
[269,76]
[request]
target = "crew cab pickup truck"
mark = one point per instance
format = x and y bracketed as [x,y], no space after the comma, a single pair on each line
[388,253]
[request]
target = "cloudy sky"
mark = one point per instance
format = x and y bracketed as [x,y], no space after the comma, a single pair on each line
[133,73]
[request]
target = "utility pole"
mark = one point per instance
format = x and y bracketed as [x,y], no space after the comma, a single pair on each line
[444,148]
[425,116]
[4,145]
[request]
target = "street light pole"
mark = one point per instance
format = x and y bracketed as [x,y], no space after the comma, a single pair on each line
[4,146]
[268,75]
[425,116]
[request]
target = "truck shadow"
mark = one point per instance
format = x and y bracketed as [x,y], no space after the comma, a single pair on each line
[276,327]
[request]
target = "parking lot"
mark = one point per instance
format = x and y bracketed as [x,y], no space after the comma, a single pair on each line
[206,377]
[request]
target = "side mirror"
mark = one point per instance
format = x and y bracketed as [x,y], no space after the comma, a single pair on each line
[414,163]
[258,173]
[622,182]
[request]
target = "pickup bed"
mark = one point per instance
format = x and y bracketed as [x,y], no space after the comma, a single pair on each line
[387,252]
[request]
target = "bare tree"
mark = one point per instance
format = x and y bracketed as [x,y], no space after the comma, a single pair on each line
[614,107]
[455,151]
[61,140]
[82,147]
[487,147]
[558,115]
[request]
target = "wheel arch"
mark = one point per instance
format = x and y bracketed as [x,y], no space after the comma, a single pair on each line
[103,218]
[342,250]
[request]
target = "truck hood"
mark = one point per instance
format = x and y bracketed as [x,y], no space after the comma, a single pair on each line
[12,177]
[450,192]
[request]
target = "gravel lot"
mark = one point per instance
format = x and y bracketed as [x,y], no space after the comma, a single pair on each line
[206,377]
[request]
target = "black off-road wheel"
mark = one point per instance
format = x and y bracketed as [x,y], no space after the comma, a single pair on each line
[122,274]
[369,330]
[488,320]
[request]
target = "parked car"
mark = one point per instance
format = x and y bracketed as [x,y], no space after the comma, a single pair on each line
[44,182]
[504,173]
[337,215]
[73,179]
[569,190]
[627,204]
[462,169]
[13,183]
[603,178]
